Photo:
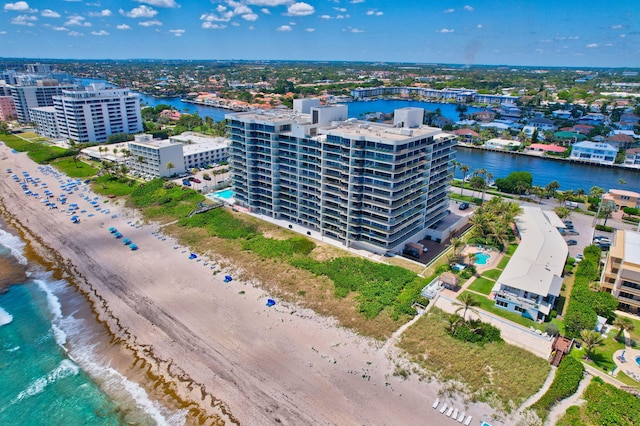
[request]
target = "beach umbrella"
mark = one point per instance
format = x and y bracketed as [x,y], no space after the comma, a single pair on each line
[126,241]
[118,235]
[193,256]
[270,302]
[133,247]
[112,229]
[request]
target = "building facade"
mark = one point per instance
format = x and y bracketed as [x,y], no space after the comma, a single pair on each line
[27,97]
[44,120]
[155,158]
[202,151]
[595,152]
[94,114]
[622,198]
[7,108]
[375,186]
[621,276]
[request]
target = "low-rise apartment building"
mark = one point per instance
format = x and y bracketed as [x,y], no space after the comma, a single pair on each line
[622,198]
[621,276]
[155,158]
[595,152]
[201,151]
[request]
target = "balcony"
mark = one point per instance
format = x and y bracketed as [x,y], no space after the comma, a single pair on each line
[525,303]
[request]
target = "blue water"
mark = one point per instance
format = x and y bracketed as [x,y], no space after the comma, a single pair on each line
[53,369]
[482,258]
[226,194]
[638,360]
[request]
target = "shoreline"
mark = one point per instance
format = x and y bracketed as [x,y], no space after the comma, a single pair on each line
[217,346]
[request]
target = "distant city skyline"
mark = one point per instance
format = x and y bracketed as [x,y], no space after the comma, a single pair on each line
[542,33]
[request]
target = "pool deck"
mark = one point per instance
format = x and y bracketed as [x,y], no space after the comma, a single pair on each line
[492,262]
[629,367]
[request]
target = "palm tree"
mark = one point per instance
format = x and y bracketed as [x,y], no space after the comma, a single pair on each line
[623,324]
[489,176]
[464,169]
[170,166]
[591,339]
[605,211]
[562,212]
[467,303]
[453,321]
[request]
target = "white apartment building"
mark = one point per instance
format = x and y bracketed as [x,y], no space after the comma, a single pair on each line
[94,114]
[201,151]
[369,185]
[155,158]
[596,152]
[44,120]
[40,95]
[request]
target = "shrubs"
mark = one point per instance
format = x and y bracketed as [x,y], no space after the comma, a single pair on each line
[570,372]
[473,331]
[604,228]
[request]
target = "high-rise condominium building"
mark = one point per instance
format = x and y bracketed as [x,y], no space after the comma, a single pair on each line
[40,95]
[621,275]
[94,114]
[370,185]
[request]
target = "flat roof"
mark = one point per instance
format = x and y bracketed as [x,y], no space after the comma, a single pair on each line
[190,149]
[156,143]
[538,262]
[191,138]
[632,247]
[380,132]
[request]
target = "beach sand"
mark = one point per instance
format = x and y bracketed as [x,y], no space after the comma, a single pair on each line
[225,352]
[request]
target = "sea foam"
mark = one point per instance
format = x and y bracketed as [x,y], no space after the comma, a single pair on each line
[5,317]
[65,369]
[14,244]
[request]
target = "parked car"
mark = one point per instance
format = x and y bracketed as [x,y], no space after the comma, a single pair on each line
[572,232]
[186,182]
[206,177]
[572,243]
[463,206]
[601,240]
[196,180]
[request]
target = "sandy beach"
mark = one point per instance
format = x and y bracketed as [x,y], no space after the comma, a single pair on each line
[218,343]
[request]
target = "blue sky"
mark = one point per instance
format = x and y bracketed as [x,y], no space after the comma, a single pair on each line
[535,33]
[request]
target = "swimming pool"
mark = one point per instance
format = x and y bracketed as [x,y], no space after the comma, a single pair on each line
[226,194]
[482,258]
[638,360]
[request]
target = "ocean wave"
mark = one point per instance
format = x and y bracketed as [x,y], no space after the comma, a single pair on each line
[5,317]
[65,369]
[14,244]
[52,300]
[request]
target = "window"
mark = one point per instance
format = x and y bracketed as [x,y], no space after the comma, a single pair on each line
[502,303]
[518,309]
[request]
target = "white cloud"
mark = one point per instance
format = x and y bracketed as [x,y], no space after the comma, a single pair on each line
[251,27]
[270,3]
[208,25]
[353,30]
[309,30]
[235,24]
[75,34]
[591,45]
[623,35]
[59,29]
[340,9]
[103,13]
[250,17]
[19,6]
[292,23]
[283,28]
[140,12]
[265,11]
[479,26]
[212,17]
[48,13]
[152,23]
[160,3]
[468,8]
[372,12]
[123,27]
[325,17]
[221,8]
[177,33]
[616,27]
[26,20]
[3,32]
[445,31]
[77,20]
[450,10]
[356,1]
[300,9]
[99,33]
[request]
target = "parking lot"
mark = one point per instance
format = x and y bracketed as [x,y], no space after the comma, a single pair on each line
[198,182]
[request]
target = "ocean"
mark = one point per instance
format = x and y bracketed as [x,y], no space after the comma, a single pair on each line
[54,362]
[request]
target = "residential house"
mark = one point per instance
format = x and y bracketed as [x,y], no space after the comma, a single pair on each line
[531,282]
[562,114]
[484,116]
[632,157]
[550,148]
[504,144]
[596,152]
[467,136]
[542,124]
[622,198]
[620,141]
[621,276]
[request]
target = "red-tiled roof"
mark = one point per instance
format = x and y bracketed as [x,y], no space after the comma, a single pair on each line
[620,137]
[465,132]
[545,147]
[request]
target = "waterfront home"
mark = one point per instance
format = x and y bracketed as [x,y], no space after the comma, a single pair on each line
[595,152]
[546,148]
[504,144]
[593,119]
[621,275]
[531,282]
[632,157]
[622,198]
[542,123]
[484,116]
[562,114]
[467,136]
[170,114]
[620,140]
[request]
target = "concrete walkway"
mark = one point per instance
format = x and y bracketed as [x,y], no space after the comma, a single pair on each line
[560,408]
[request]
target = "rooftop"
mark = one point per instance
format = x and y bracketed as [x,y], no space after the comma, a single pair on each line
[538,262]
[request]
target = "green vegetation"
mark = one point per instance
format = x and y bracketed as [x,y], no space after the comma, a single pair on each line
[503,262]
[482,285]
[111,185]
[491,371]
[489,306]
[602,357]
[220,223]
[515,183]
[38,152]
[472,331]
[492,222]
[74,168]
[585,304]
[570,373]
[492,274]
[606,405]
[270,248]
[160,199]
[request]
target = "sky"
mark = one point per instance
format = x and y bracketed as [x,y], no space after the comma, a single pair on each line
[523,32]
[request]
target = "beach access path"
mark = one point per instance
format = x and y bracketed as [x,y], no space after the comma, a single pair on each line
[225,349]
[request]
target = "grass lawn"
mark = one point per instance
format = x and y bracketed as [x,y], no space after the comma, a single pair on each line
[482,285]
[492,274]
[511,248]
[602,357]
[503,262]
[488,305]
[106,185]
[635,334]
[77,169]
[494,369]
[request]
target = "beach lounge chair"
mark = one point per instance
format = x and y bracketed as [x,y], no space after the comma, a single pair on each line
[443,408]
[455,414]
[436,403]
[468,421]
[449,411]
[461,418]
